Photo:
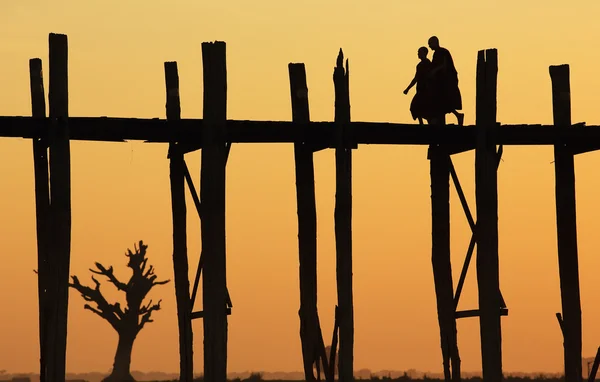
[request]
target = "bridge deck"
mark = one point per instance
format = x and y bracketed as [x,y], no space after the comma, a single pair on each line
[321,133]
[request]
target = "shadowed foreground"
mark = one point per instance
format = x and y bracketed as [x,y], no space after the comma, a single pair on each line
[256,377]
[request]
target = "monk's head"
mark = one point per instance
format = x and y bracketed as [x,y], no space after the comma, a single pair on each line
[422,52]
[434,43]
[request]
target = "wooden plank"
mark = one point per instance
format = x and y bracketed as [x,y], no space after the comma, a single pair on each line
[566,226]
[178,207]
[42,202]
[440,165]
[343,220]
[212,195]
[487,217]
[476,313]
[307,223]
[60,206]
[584,148]
[459,149]
[200,314]
[320,134]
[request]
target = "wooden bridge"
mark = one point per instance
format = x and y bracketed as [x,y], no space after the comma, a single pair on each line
[214,135]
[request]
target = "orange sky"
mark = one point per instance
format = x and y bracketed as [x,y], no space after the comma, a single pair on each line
[121,191]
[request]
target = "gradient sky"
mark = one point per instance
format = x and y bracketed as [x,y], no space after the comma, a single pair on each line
[120,191]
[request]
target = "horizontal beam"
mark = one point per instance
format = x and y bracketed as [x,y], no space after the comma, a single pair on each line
[320,134]
[200,313]
[475,313]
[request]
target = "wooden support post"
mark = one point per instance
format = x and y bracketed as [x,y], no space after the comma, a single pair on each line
[180,258]
[486,192]
[60,207]
[592,373]
[42,202]
[343,219]
[212,195]
[440,166]
[307,223]
[566,224]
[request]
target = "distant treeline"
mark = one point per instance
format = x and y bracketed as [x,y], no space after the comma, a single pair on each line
[277,377]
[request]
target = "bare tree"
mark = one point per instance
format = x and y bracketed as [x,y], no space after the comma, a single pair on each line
[129,321]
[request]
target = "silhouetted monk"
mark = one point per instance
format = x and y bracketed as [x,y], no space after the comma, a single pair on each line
[420,107]
[446,95]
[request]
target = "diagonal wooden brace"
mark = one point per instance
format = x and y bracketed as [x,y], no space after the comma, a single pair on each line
[473,224]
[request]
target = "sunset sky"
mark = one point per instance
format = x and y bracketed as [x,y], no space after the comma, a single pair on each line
[120,191]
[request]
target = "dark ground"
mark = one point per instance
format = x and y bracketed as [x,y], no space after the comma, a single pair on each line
[257,377]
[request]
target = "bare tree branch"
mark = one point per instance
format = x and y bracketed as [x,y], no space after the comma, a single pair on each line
[89,307]
[135,315]
[150,272]
[109,273]
[146,312]
[110,312]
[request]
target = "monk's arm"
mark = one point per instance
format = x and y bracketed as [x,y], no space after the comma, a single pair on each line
[412,83]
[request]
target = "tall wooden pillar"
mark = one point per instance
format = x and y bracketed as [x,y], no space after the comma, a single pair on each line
[307,224]
[486,191]
[566,225]
[180,258]
[343,219]
[212,194]
[42,201]
[440,258]
[60,209]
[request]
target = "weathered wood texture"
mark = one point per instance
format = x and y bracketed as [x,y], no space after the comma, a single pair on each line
[42,202]
[343,220]
[60,207]
[307,224]
[212,195]
[180,257]
[486,192]
[440,165]
[566,224]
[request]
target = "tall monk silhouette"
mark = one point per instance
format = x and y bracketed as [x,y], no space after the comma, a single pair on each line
[444,77]
[421,106]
